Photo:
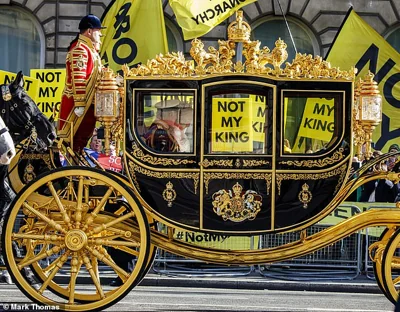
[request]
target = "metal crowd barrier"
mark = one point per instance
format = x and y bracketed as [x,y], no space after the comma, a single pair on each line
[342,260]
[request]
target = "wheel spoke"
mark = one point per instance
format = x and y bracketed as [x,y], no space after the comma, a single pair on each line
[57,265]
[128,250]
[78,212]
[396,280]
[92,216]
[103,227]
[45,238]
[75,267]
[93,275]
[41,255]
[95,265]
[121,272]
[40,215]
[109,242]
[57,199]
[395,265]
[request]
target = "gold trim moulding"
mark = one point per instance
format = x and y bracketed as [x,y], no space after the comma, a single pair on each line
[341,171]
[209,176]
[336,157]
[134,168]
[154,160]
[44,157]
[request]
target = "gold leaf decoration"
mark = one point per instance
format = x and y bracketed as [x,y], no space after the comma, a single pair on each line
[336,157]
[195,176]
[208,176]
[139,154]
[312,176]
[216,162]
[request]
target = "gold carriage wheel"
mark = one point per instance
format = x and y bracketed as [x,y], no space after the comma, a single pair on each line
[152,223]
[377,263]
[59,217]
[41,274]
[391,267]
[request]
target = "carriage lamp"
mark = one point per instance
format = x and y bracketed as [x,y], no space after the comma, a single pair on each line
[370,110]
[107,109]
[358,133]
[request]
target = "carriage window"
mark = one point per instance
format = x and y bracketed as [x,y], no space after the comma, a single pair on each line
[165,120]
[22,41]
[238,123]
[309,121]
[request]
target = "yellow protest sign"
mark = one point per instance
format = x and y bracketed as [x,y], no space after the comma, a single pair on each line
[198,17]
[359,45]
[31,85]
[259,108]
[51,86]
[218,241]
[232,125]
[318,119]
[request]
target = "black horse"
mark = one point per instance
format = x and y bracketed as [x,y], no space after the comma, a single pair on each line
[23,117]
[24,120]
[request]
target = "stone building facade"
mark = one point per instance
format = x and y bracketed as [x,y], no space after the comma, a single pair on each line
[57,21]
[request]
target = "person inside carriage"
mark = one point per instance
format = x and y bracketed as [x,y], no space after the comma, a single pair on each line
[172,130]
[83,73]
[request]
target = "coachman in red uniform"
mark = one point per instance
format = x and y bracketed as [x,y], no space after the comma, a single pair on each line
[83,73]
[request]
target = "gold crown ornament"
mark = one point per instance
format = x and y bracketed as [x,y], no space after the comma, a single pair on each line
[239,30]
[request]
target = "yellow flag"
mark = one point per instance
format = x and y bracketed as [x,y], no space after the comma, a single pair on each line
[358,44]
[135,32]
[198,17]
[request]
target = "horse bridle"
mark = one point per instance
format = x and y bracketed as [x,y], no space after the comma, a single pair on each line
[10,105]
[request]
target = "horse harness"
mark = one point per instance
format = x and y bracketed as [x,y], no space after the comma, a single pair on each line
[9,105]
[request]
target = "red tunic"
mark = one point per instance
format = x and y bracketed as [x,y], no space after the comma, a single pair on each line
[83,67]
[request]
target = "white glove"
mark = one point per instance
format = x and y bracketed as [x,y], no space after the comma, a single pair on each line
[79,111]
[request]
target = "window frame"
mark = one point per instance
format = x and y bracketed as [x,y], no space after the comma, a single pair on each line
[338,133]
[138,137]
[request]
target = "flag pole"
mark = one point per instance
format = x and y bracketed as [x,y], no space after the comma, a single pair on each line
[288,28]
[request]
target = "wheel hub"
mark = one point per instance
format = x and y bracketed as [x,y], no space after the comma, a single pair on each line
[75,240]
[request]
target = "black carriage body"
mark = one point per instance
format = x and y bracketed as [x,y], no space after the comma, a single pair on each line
[208,188]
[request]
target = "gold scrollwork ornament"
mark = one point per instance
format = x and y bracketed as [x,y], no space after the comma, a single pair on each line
[236,207]
[169,194]
[305,195]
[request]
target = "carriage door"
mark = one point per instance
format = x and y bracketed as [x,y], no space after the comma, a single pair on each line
[236,159]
